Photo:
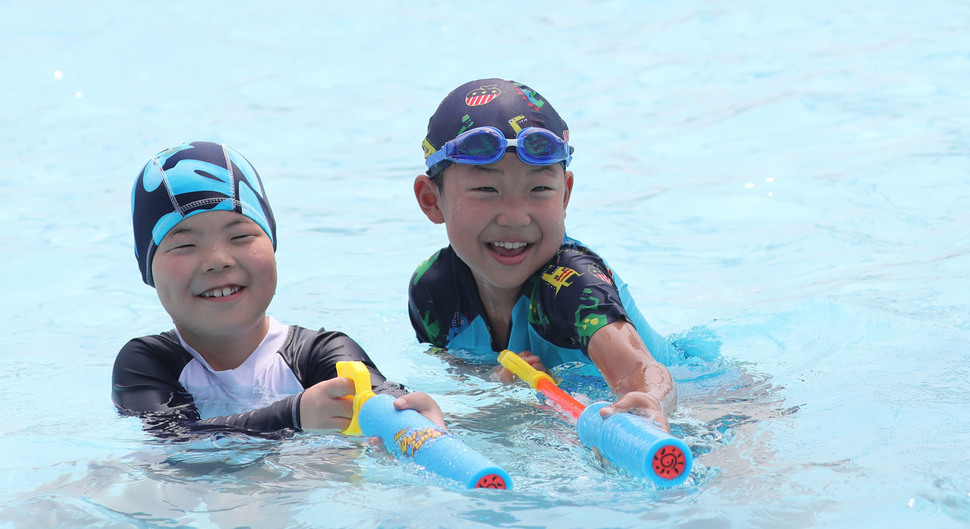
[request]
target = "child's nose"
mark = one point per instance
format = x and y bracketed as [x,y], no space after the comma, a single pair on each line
[513,213]
[217,258]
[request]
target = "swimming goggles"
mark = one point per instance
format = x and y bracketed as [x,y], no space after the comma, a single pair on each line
[485,145]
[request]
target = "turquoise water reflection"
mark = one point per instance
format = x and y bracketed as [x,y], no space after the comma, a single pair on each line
[785,187]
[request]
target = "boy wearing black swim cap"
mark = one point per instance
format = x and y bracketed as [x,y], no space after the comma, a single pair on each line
[497,155]
[205,238]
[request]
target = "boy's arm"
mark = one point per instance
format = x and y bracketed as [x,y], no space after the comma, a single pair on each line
[639,381]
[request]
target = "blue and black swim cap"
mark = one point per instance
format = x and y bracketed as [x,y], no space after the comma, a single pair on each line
[188,179]
[506,105]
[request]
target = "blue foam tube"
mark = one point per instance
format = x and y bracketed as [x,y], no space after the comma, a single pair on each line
[409,435]
[636,445]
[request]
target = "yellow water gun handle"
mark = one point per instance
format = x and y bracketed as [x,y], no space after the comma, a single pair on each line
[357,372]
[522,369]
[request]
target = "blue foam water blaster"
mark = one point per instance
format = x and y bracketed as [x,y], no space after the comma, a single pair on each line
[409,435]
[635,444]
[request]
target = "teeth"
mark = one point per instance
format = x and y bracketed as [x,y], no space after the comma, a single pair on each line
[218,293]
[509,245]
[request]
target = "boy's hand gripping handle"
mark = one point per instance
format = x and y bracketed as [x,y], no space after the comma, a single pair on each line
[357,372]
[409,435]
[540,381]
[636,444]
[522,369]
[629,441]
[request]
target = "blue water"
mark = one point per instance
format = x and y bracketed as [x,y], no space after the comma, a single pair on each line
[785,185]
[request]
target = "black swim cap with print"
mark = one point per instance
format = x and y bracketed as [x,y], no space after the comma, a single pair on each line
[506,105]
[188,179]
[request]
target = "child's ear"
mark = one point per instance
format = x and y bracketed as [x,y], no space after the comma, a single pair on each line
[569,189]
[426,192]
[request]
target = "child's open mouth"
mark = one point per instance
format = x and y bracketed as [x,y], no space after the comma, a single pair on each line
[220,292]
[509,250]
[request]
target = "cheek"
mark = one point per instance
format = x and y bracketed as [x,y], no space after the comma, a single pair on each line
[271,275]
[450,208]
[556,227]
[459,217]
[554,215]
[168,292]
[165,274]
[456,236]
[265,267]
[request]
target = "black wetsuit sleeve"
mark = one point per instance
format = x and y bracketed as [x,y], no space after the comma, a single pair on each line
[145,383]
[441,295]
[421,316]
[575,296]
[313,357]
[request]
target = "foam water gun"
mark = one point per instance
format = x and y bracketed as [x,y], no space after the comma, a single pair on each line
[631,442]
[412,437]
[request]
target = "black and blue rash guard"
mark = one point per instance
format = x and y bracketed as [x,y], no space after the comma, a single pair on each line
[166,382]
[559,308]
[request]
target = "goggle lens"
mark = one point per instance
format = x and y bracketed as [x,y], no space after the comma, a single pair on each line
[478,146]
[541,146]
[485,145]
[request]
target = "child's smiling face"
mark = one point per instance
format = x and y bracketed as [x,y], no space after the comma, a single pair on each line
[505,220]
[215,274]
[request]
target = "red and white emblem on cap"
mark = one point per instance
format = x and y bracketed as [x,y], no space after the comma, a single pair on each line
[482,95]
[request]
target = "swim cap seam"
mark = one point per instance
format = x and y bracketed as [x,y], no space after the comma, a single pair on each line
[232,176]
[168,187]
[149,255]
[203,201]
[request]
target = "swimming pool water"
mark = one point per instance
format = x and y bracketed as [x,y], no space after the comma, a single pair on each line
[784,185]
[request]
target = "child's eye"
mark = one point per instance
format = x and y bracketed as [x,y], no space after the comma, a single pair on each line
[485,189]
[181,247]
[243,237]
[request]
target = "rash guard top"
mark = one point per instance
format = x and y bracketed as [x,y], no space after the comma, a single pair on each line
[164,380]
[558,309]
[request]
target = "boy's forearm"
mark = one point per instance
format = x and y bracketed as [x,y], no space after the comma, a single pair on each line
[658,383]
[627,365]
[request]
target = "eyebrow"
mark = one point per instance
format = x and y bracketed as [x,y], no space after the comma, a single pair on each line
[493,167]
[230,224]
[487,168]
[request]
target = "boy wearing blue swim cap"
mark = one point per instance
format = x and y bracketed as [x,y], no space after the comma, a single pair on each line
[497,154]
[205,238]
